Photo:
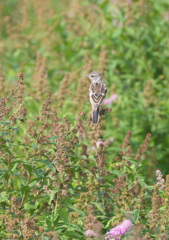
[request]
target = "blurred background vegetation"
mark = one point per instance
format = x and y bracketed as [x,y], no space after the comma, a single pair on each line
[60,174]
[55,43]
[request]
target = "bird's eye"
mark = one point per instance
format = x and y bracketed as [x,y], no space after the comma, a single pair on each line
[92,76]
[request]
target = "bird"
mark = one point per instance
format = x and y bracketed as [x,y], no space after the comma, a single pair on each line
[97,93]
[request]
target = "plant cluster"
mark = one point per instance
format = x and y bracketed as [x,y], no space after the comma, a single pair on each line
[62,177]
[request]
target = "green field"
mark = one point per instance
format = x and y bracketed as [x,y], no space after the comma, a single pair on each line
[61,175]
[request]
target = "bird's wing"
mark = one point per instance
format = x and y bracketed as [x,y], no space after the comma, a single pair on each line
[98,92]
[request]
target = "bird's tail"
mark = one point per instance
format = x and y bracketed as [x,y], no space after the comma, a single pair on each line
[95,114]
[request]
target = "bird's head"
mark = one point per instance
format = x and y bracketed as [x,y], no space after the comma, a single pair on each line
[94,76]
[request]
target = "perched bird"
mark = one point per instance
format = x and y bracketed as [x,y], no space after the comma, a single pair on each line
[97,93]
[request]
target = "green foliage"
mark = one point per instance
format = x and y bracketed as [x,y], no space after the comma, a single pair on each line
[57,180]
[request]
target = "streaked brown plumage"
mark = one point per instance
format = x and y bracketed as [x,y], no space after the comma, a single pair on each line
[97,93]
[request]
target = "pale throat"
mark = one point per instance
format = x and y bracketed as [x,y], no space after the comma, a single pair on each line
[98,80]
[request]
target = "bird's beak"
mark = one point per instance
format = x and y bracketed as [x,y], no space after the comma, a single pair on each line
[86,75]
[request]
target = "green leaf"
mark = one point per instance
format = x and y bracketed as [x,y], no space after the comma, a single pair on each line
[37,180]
[49,224]
[25,190]
[109,224]
[131,176]
[76,210]
[34,146]
[28,168]
[64,237]
[136,215]
[74,234]
[48,164]
[63,213]
[52,195]
[3,197]
[99,207]
[28,206]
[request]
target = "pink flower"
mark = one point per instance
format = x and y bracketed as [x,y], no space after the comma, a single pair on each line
[129,1]
[90,233]
[160,179]
[119,230]
[106,143]
[110,99]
